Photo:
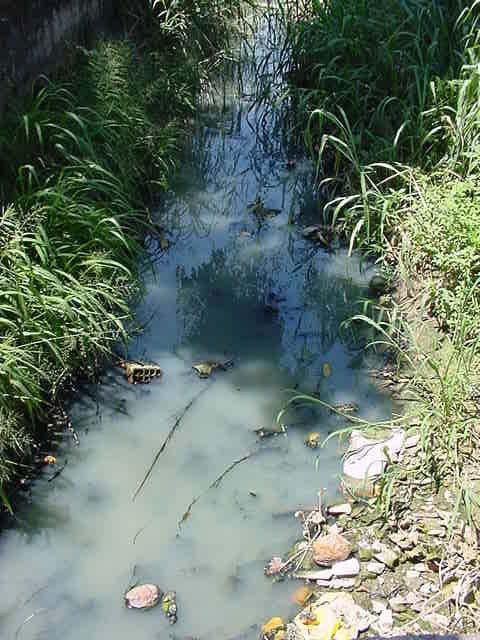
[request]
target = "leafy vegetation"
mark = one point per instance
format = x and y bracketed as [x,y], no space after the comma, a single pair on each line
[388,96]
[79,161]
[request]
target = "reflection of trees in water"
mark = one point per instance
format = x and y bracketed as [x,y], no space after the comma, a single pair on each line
[221,305]
[220,309]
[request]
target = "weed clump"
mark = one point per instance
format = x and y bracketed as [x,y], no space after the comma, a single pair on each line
[80,160]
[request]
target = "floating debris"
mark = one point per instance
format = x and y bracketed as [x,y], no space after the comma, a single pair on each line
[346,407]
[50,460]
[267,432]
[274,567]
[262,212]
[274,624]
[139,372]
[144,596]
[326,370]
[205,369]
[319,233]
[169,606]
[313,440]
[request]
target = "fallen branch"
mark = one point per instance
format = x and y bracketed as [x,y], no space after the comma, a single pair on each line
[215,484]
[170,434]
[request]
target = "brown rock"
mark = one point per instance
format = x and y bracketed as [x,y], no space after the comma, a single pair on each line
[143,597]
[331,548]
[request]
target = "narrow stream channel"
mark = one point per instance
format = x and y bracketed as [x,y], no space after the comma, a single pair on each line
[227,288]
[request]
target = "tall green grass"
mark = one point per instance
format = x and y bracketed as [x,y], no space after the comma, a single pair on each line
[388,97]
[80,160]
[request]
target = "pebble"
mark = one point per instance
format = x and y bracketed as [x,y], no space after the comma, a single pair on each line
[387,557]
[340,509]
[384,623]
[346,568]
[378,606]
[376,568]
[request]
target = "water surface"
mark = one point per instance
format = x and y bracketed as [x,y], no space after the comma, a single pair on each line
[229,287]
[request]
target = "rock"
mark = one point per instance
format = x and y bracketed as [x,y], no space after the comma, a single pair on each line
[367,458]
[378,606]
[313,440]
[384,623]
[404,540]
[411,574]
[365,552]
[411,441]
[340,509]
[352,615]
[343,583]
[169,606]
[331,548]
[426,588]
[273,624]
[346,568]
[398,604]
[388,557]
[377,568]
[319,574]
[144,596]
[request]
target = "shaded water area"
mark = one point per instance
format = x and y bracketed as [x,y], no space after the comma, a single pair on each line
[229,287]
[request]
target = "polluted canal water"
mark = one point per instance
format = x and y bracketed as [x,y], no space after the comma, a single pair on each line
[234,284]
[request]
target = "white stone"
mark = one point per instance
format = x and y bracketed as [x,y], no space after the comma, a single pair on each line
[367,458]
[426,588]
[317,574]
[343,583]
[375,567]
[378,606]
[340,509]
[411,574]
[411,441]
[346,568]
[421,567]
[384,624]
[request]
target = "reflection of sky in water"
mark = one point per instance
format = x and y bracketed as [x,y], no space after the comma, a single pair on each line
[66,565]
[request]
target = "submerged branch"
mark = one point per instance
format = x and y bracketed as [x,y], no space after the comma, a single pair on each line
[214,485]
[170,435]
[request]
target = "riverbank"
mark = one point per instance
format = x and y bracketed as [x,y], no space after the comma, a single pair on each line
[81,159]
[394,130]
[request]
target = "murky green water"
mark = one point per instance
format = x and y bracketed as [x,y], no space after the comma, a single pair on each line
[64,569]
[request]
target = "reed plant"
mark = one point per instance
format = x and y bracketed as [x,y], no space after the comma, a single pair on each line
[80,161]
[388,98]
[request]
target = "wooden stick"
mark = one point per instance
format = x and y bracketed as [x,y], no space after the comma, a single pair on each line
[170,434]
[215,484]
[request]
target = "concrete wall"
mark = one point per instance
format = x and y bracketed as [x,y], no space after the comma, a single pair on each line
[33,34]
